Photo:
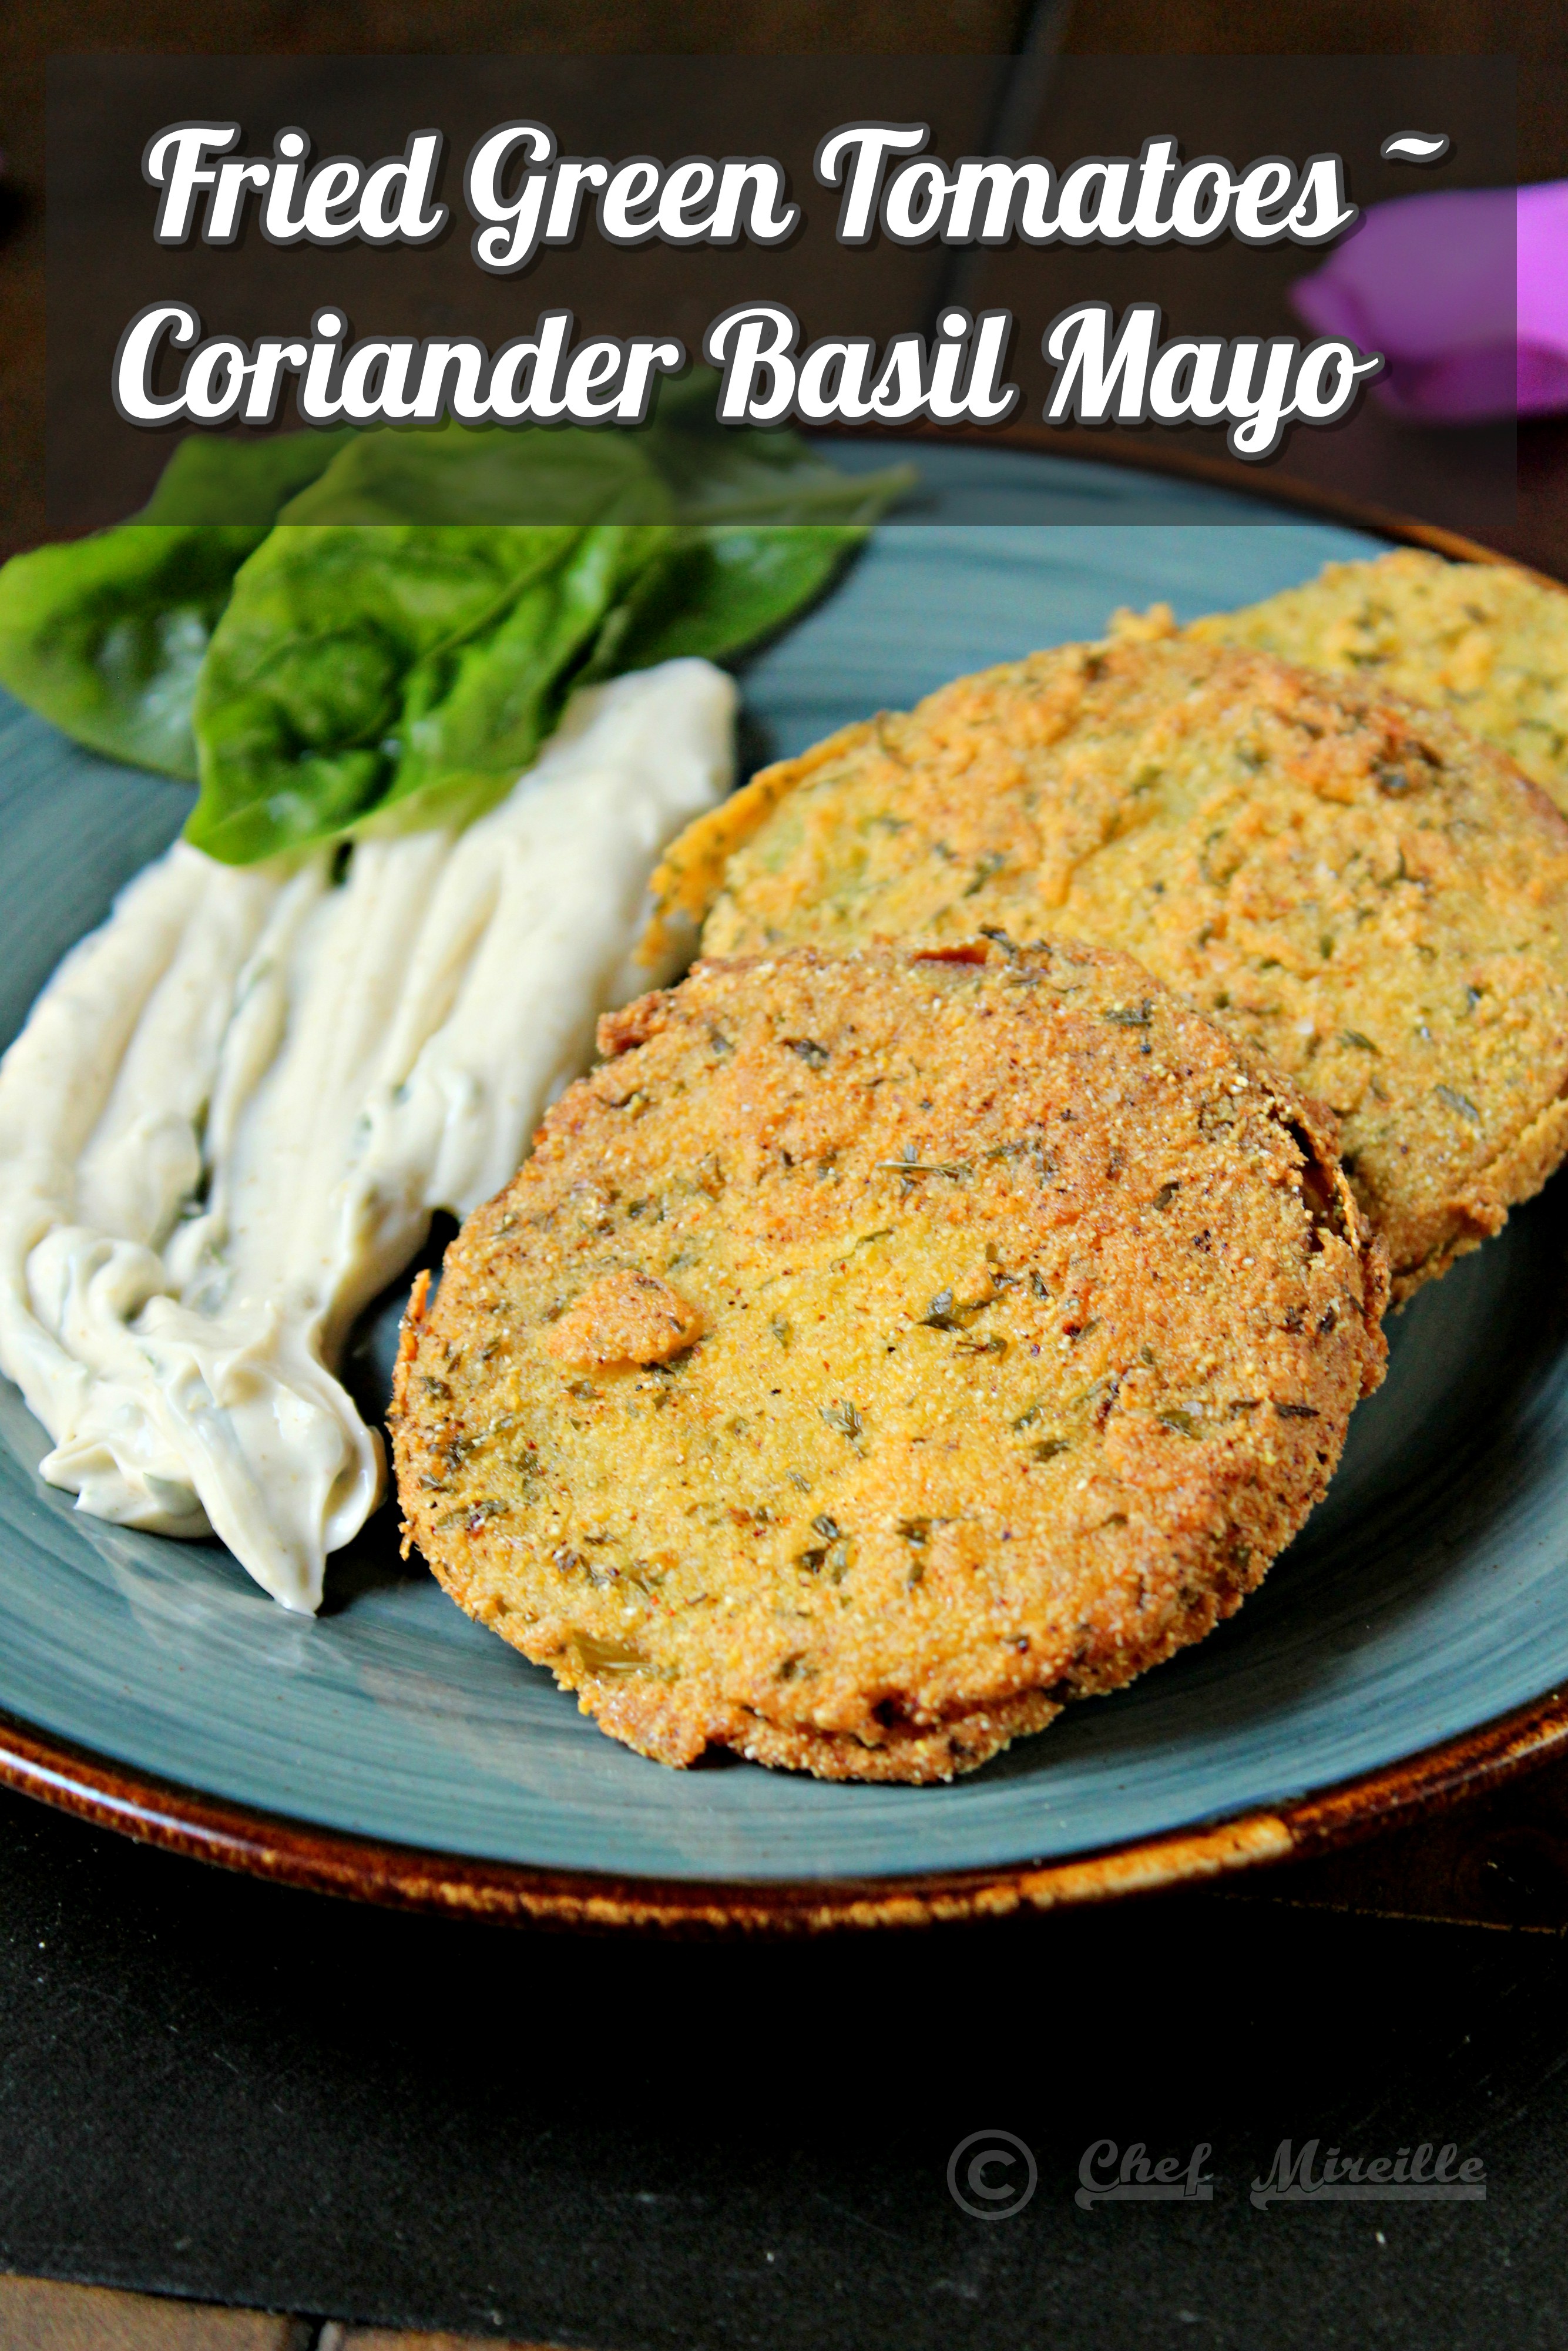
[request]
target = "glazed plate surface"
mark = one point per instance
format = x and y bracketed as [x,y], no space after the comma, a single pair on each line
[1427,1597]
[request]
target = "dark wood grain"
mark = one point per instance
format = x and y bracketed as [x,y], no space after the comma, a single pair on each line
[45,2314]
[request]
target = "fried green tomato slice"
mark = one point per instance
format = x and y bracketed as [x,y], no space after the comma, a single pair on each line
[1359,887]
[877,1353]
[1485,641]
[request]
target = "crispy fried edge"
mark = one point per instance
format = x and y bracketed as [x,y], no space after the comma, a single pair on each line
[1480,1210]
[651,1721]
[687,879]
[409,1331]
[675,1724]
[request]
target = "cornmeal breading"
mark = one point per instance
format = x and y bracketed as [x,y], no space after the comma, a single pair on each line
[878,1352]
[1485,640]
[1357,886]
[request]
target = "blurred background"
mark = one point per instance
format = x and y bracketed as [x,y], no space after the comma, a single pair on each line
[1411,469]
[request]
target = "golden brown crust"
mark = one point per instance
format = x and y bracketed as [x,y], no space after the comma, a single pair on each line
[1485,641]
[1373,898]
[408,1329]
[1034,1308]
[683,883]
[676,1728]
[624,1318]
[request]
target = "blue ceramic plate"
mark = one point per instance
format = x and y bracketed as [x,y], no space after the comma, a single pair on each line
[152,1682]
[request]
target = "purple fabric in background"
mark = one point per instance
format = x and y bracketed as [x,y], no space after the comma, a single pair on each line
[1465,294]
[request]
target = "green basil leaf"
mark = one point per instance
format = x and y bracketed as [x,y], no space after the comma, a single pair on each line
[105,635]
[458,475]
[724,473]
[724,591]
[474,715]
[304,684]
[235,484]
[333,630]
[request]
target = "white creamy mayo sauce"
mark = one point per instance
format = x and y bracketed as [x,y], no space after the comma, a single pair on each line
[235,1109]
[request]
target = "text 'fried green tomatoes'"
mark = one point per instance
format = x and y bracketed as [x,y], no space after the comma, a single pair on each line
[878,1352]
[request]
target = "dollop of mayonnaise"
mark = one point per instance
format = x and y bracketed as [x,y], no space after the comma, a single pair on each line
[236,1108]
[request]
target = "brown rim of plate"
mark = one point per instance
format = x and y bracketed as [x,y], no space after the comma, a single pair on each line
[333,1861]
[1220,474]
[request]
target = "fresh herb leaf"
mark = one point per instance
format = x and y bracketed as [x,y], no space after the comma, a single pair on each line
[728,590]
[389,654]
[105,635]
[329,644]
[516,479]
[474,718]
